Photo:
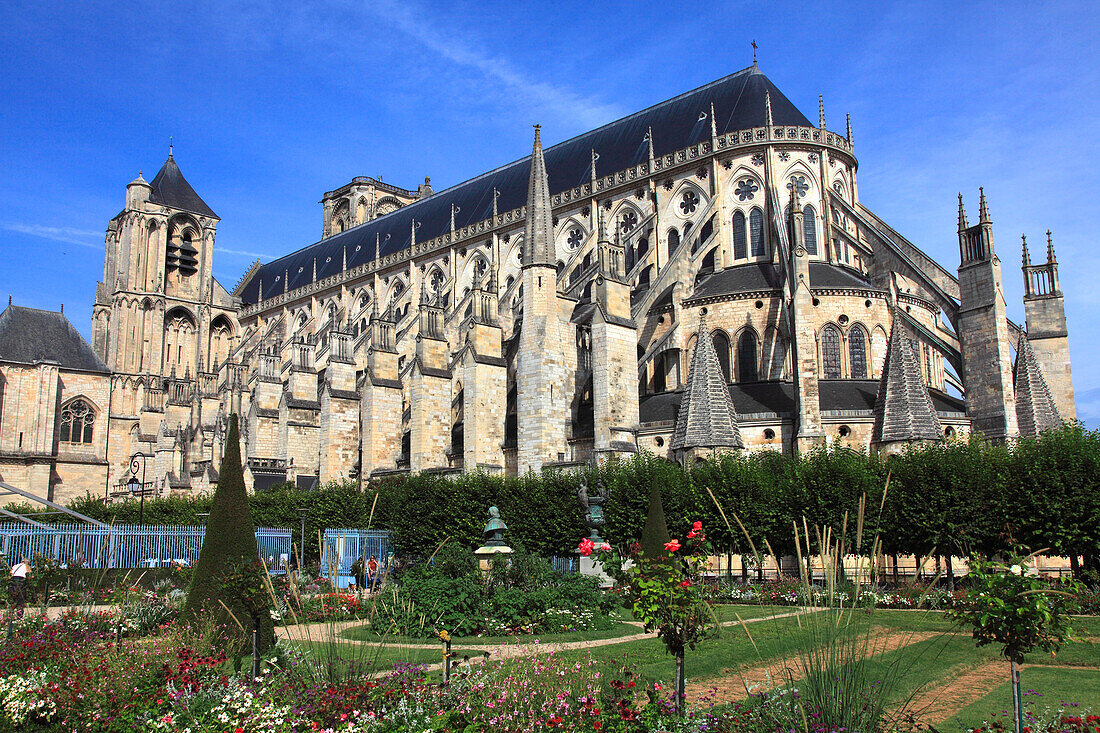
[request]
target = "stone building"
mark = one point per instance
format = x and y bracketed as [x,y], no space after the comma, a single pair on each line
[700,276]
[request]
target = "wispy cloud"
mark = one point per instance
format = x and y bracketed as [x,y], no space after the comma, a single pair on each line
[69,235]
[245,253]
[497,72]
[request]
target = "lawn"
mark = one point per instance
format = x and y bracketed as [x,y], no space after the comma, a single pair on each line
[619,628]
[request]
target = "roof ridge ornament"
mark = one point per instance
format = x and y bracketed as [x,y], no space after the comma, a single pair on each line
[1027,257]
[754,47]
[821,111]
[1051,259]
[768,108]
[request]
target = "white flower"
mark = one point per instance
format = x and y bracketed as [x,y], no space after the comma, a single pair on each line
[1016,570]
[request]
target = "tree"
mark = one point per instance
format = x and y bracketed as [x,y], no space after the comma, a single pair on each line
[228,582]
[1007,606]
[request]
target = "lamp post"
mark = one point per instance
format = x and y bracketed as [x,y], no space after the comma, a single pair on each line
[303,512]
[133,484]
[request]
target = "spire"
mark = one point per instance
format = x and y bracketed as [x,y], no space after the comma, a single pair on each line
[496,193]
[713,123]
[904,411]
[169,146]
[601,227]
[1027,257]
[768,108]
[963,224]
[538,234]
[592,168]
[344,258]
[848,122]
[821,111]
[1035,408]
[1051,259]
[707,418]
[377,245]
[649,139]
[314,269]
[983,208]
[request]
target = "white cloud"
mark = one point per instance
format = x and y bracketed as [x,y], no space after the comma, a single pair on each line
[69,235]
[522,89]
[245,253]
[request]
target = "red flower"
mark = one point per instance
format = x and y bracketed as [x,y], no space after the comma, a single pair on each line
[586,546]
[698,526]
[672,546]
[685,583]
[597,725]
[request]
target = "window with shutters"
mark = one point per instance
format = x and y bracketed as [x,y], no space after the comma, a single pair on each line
[740,243]
[756,232]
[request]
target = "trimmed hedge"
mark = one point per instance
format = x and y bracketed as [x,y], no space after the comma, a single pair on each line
[956,497]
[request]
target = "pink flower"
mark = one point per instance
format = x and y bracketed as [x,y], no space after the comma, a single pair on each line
[586,546]
[605,547]
[672,546]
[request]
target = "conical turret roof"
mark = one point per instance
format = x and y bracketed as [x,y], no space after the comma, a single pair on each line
[171,189]
[904,411]
[1035,408]
[707,416]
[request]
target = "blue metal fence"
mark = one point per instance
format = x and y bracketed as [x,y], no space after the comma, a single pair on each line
[341,547]
[127,545]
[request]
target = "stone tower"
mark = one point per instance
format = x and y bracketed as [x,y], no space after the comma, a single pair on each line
[614,353]
[983,330]
[543,387]
[1045,308]
[152,311]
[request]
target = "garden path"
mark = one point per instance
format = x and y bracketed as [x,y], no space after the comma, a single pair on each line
[960,687]
[322,631]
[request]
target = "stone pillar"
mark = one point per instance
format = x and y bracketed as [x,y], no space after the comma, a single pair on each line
[429,394]
[339,442]
[380,402]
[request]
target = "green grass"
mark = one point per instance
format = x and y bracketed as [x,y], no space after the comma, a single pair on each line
[1053,685]
[381,656]
[366,633]
[730,611]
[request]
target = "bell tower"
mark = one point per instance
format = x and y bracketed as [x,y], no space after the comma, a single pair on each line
[1047,333]
[152,309]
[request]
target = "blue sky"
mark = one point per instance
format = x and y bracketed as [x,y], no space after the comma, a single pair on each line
[272,104]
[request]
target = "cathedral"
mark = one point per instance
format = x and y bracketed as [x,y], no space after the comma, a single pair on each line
[696,278]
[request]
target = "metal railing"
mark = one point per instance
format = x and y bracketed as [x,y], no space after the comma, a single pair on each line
[127,545]
[340,548]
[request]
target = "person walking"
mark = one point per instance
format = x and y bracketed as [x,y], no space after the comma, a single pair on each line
[19,573]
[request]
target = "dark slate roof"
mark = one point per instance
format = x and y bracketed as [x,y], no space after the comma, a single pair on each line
[738,103]
[763,276]
[28,335]
[1035,408]
[707,418]
[904,410]
[171,189]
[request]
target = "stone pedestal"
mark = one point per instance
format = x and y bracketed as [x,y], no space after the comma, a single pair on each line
[484,555]
[591,566]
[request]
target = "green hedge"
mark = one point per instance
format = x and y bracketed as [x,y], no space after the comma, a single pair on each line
[959,497]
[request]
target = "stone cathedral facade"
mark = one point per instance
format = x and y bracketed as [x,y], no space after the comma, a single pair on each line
[700,276]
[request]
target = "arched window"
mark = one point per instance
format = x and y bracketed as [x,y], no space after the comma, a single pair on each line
[756,232]
[77,419]
[673,240]
[809,227]
[746,357]
[643,247]
[857,353]
[707,263]
[644,277]
[722,348]
[740,243]
[830,352]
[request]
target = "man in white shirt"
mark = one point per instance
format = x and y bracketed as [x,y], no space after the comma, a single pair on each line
[19,573]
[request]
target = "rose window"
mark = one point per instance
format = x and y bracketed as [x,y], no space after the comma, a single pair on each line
[435,283]
[758,159]
[798,183]
[746,189]
[574,239]
[689,203]
[628,221]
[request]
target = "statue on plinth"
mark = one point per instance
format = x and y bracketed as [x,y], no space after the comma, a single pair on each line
[592,503]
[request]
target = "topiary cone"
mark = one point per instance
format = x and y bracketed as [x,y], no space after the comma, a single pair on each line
[230,537]
[655,533]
